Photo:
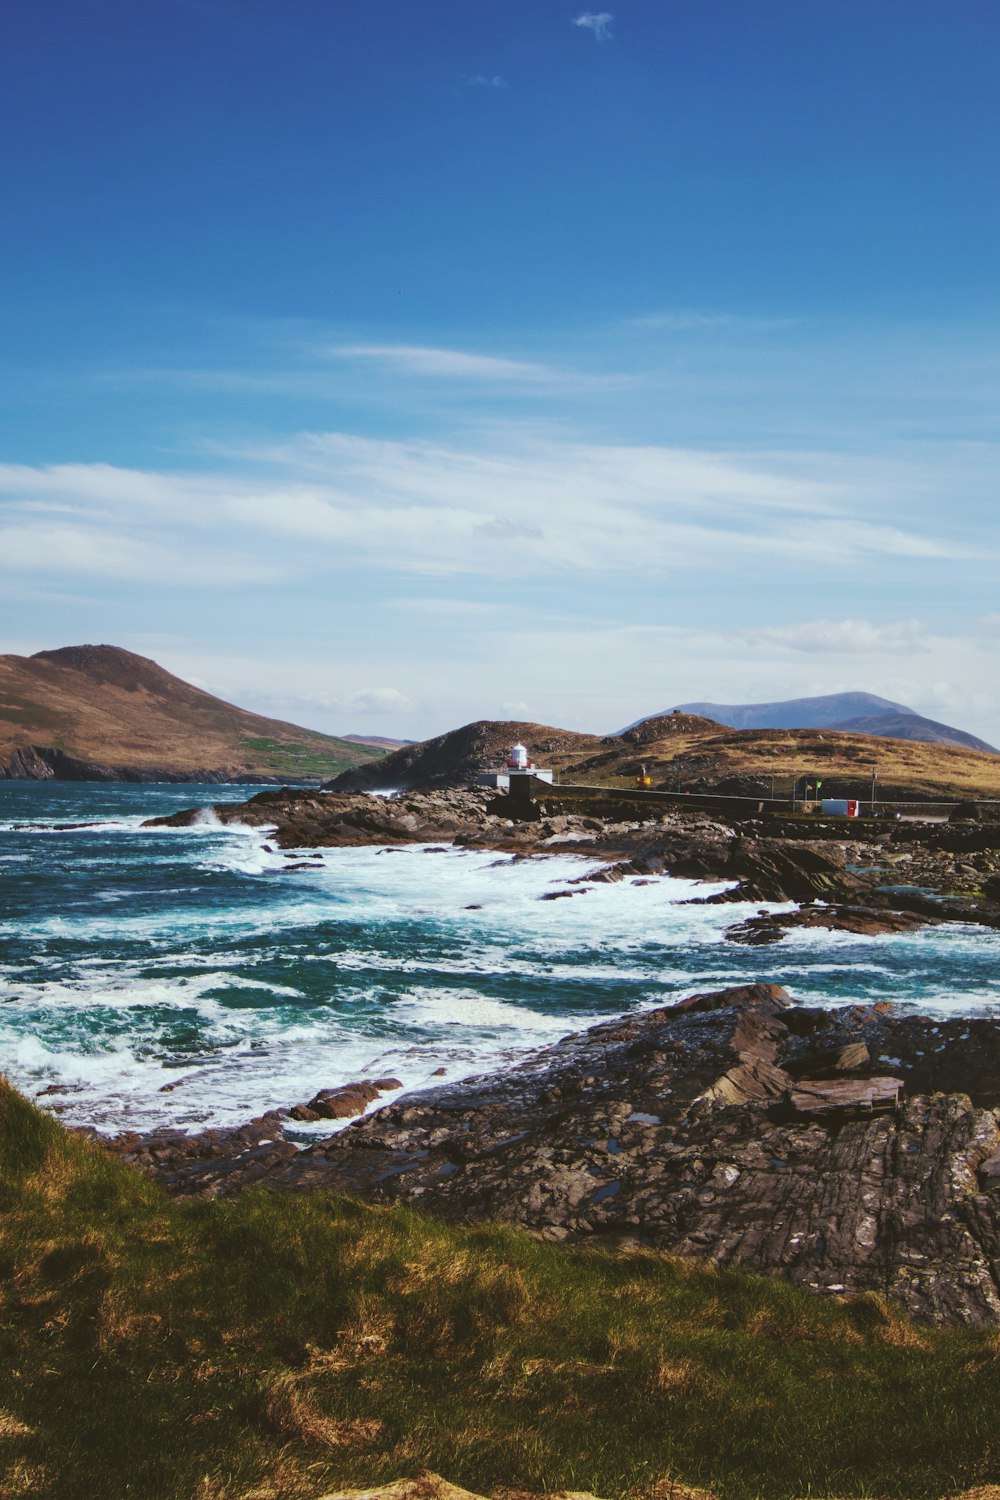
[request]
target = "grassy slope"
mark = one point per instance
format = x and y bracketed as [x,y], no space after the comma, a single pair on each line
[279,1347]
[713,755]
[109,706]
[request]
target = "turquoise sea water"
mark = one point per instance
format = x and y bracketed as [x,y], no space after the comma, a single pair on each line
[188,977]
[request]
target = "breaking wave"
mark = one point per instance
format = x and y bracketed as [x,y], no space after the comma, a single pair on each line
[196,979]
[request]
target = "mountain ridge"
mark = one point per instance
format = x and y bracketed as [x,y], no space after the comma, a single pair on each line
[686,752]
[852,712]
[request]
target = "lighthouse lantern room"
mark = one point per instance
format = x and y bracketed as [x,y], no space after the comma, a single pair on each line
[519,764]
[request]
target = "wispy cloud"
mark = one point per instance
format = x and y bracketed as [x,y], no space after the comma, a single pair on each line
[510,504]
[843,637]
[375,700]
[448,608]
[106,552]
[484,81]
[447,364]
[599,22]
[684,320]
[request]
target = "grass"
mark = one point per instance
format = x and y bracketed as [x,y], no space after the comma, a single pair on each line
[274,1347]
[295,758]
[843,761]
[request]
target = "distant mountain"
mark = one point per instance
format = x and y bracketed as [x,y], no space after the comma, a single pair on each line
[827,712]
[911,726]
[857,713]
[86,713]
[375,739]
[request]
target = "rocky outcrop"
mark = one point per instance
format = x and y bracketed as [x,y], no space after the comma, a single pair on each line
[314,818]
[865,921]
[920,871]
[788,870]
[254,1150]
[43,763]
[848,1150]
[27,763]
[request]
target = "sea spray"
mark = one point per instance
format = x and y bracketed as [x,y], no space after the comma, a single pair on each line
[190,977]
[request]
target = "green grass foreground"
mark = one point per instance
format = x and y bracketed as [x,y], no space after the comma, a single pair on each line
[275,1347]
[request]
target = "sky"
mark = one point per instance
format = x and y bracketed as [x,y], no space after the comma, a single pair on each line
[386,364]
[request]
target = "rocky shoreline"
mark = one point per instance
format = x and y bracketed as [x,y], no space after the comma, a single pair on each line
[849,1149]
[903,872]
[44,763]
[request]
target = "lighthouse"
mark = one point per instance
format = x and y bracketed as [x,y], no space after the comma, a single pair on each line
[519,766]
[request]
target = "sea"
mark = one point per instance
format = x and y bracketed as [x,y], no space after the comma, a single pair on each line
[190,977]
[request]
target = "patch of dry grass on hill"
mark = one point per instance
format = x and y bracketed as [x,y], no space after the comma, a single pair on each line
[708,756]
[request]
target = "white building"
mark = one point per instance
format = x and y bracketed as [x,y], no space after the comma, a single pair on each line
[519,764]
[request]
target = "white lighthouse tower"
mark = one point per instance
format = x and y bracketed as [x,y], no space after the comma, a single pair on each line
[519,766]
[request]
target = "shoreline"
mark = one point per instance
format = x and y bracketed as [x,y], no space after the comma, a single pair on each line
[732,1125]
[951,870]
[848,1151]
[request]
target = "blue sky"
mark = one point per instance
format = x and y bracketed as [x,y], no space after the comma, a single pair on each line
[384,365]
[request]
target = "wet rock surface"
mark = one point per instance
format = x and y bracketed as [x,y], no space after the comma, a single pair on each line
[866,921]
[310,818]
[849,1150]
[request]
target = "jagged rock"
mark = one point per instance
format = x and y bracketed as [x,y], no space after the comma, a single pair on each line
[828,1062]
[788,870]
[766,998]
[866,921]
[313,819]
[845,1098]
[344,1102]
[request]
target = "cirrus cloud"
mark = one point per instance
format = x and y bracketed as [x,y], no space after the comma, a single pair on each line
[844,637]
[599,22]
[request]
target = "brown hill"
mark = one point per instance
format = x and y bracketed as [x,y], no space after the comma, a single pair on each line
[688,752]
[98,712]
[755,760]
[456,758]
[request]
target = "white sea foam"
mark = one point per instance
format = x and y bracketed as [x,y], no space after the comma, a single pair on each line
[244,986]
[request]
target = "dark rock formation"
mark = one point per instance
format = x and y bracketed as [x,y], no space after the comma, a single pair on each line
[849,1150]
[866,921]
[935,871]
[788,870]
[43,763]
[253,1150]
[314,818]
